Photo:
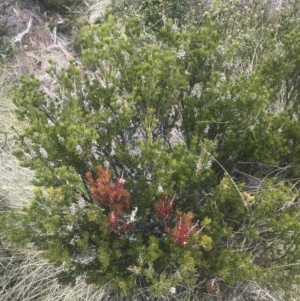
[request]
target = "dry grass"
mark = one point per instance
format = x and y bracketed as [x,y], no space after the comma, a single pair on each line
[97,9]
[15,187]
[26,276]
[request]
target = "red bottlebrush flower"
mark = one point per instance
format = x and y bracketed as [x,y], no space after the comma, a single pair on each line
[105,191]
[183,229]
[111,194]
[164,207]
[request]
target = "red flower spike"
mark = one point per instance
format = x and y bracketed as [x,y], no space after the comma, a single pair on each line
[103,190]
[183,229]
[164,208]
[111,194]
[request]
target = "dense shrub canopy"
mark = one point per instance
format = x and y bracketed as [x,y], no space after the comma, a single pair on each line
[168,156]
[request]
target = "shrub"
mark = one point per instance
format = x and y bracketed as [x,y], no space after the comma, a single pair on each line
[135,159]
[62,6]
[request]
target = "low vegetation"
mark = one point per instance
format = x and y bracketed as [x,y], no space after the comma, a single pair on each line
[166,155]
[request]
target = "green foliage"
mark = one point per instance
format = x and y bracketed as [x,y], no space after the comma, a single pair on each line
[155,12]
[137,153]
[57,2]
[60,5]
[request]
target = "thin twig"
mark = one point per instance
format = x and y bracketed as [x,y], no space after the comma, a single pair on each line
[20,36]
[245,203]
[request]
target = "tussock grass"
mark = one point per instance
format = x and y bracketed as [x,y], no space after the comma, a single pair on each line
[25,276]
[97,9]
[15,187]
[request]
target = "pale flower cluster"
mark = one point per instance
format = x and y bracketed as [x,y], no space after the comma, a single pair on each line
[181,53]
[69,228]
[94,149]
[148,178]
[223,77]
[60,138]
[72,209]
[106,164]
[43,152]
[113,148]
[33,154]
[81,202]
[221,50]
[78,149]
